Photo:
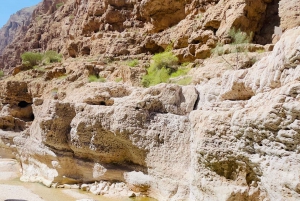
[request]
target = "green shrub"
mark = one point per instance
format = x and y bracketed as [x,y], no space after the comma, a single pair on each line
[180,72]
[239,37]
[1,73]
[165,59]
[94,78]
[52,57]
[133,63]
[31,59]
[163,67]
[155,76]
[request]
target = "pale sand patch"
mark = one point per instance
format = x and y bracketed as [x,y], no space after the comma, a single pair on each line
[20,193]
[9,169]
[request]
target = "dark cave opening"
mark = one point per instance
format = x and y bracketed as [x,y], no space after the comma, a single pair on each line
[102,103]
[268,24]
[23,104]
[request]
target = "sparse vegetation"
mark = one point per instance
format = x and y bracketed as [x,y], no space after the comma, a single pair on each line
[71,17]
[31,59]
[51,57]
[238,39]
[94,78]
[163,67]
[1,73]
[180,72]
[133,63]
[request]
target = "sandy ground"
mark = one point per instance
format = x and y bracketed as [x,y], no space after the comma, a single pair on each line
[13,190]
[17,193]
[9,170]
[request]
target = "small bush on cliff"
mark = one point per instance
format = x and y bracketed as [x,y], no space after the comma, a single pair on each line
[31,59]
[52,57]
[94,78]
[133,63]
[163,67]
[238,38]
[1,73]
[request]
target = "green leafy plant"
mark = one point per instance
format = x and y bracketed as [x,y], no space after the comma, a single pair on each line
[31,59]
[163,67]
[51,57]
[94,78]
[133,63]
[180,72]
[1,73]
[239,37]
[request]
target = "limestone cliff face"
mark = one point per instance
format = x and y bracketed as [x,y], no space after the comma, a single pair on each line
[16,23]
[120,28]
[233,136]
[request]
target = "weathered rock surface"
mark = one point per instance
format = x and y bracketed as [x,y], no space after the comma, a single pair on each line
[120,28]
[233,136]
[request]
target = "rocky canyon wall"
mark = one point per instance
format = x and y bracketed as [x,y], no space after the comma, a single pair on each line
[232,135]
[121,28]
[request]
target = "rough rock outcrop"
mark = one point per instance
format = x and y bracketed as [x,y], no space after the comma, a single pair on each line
[120,28]
[233,136]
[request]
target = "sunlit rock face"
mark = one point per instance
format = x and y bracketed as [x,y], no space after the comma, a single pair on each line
[118,29]
[233,135]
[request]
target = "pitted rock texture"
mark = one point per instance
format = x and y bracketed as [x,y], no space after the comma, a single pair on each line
[233,136]
[111,29]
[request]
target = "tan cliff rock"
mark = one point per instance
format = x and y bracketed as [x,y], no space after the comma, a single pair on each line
[116,29]
[233,136]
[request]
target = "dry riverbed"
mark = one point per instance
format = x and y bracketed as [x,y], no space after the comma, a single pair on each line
[11,189]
